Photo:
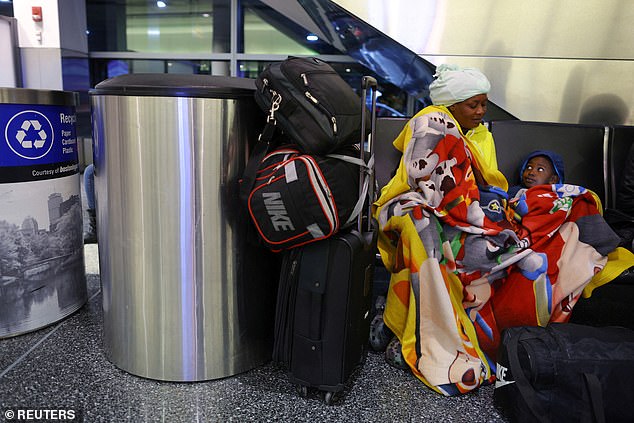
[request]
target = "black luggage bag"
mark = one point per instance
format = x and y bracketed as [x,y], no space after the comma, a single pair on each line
[322,319]
[298,199]
[311,103]
[566,373]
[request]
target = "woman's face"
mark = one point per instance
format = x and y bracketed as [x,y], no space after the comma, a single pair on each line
[469,112]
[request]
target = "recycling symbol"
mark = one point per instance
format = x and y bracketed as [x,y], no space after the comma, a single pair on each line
[29,134]
[22,134]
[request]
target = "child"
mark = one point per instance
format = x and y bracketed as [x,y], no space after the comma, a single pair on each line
[540,167]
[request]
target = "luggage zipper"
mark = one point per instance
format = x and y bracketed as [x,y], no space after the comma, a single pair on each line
[263,173]
[290,304]
[322,191]
[291,274]
[276,99]
[312,98]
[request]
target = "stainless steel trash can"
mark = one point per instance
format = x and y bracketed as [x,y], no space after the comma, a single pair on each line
[42,274]
[186,296]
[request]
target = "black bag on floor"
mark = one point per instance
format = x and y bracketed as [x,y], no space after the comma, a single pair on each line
[311,103]
[298,198]
[566,373]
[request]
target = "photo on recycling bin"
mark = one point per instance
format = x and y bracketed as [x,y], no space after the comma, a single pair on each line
[41,252]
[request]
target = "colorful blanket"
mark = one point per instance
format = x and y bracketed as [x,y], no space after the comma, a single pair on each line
[460,276]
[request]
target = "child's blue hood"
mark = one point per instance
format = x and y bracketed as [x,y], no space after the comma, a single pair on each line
[555,159]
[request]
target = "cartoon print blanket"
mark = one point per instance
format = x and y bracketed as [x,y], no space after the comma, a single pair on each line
[460,277]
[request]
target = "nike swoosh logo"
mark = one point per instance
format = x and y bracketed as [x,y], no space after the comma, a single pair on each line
[501,383]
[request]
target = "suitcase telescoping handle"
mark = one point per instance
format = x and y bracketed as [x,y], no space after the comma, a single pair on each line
[367,82]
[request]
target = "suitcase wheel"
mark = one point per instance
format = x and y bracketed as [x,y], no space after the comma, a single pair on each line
[328,397]
[302,390]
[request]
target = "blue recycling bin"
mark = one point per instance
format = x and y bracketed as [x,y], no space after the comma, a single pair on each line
[42,273]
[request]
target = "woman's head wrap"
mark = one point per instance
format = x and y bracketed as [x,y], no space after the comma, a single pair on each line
[454,84]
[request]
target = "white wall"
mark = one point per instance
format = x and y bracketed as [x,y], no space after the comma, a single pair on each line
[42,44]
[42,68]
[28,30]
[8,77]
[559,61]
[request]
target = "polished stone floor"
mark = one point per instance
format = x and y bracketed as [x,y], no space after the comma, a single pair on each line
[63,366]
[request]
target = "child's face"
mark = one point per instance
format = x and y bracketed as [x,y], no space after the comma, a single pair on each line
[539,171]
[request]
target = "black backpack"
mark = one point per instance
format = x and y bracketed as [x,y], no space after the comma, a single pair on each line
[311,103]
[566,373]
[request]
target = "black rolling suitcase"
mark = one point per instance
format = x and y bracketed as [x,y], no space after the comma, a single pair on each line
[324,299]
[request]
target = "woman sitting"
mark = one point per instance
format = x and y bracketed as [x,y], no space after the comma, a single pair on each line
[462,271]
